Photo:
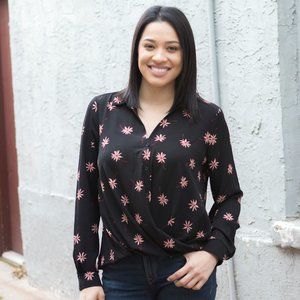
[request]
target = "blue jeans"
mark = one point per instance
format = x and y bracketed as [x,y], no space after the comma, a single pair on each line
[144,277]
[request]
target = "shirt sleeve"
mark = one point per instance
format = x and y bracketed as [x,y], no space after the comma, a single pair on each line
[225,190]
[87,215]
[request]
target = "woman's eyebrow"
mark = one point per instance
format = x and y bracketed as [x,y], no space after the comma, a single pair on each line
[168,42]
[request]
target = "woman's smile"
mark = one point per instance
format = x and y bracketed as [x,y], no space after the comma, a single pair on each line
[159,71]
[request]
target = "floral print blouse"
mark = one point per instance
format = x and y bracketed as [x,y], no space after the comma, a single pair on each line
[150,192]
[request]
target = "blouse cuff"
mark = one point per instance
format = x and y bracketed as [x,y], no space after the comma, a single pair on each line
[216,247]
[94,280]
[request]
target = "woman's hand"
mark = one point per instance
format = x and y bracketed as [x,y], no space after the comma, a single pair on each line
[196,271]
[92,293]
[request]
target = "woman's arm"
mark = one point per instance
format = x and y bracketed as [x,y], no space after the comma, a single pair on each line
[225,189]
[87,216]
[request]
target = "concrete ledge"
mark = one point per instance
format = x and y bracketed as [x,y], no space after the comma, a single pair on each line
[13,258]
[286,234]
[13,288]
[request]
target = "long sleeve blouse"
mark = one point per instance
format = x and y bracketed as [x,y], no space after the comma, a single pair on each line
[150,192]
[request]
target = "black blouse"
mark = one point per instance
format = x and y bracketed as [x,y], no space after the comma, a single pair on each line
[151,192]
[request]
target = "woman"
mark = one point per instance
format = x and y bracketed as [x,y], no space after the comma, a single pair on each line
[145,158]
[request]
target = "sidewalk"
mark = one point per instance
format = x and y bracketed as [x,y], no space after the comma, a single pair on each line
[14,288]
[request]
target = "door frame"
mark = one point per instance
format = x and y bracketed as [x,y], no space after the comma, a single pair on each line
[10,229]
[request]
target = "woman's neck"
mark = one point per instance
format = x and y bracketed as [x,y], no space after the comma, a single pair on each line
[156,96]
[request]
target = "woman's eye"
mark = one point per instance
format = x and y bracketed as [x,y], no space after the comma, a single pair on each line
[147,46]
[173,48]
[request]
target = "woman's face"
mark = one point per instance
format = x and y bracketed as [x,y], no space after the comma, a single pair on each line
[159,54]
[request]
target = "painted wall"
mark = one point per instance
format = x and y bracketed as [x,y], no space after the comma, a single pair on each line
[65,52]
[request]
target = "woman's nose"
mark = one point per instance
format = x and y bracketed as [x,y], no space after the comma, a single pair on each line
[159,56]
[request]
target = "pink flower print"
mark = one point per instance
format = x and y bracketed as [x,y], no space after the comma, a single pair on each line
[138,239]
[110,106]
[124,218]
[95,106]
[76,239]
[229,169]
[186,114]
[149,196]
[81,257]
[206,137]
[78,175]
[212,237]
[187,226]
[221,198]
[89,275]
[213,164]
[80,194]
[138,218]
[228,217]
[100,129]
[169,243]
[161,157]
[164,123]
[92,144]
[204,160]
[193,205]
[213,139]
[102,186]
[146,154]
[95,228]
[171,222]
[102,260]
[160,138]
[90,167]
[183,182]
[192,163]
[116,155]
[105,142]
[162,199]
[200,234]
[124,200]
[138,185]
[111,255]
[82,130]
[127,130]
[210,139]
[199,175]
[117,100]
[112,183]
[185,143]
[225,257]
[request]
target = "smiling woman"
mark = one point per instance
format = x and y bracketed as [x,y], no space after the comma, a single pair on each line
[146,155]
[159,59]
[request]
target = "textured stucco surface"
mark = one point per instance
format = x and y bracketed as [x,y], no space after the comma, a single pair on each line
[65,52]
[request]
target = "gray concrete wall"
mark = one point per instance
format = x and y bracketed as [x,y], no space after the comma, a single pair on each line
[65,52]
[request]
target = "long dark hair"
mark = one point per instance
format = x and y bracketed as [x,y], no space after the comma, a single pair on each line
[186,95]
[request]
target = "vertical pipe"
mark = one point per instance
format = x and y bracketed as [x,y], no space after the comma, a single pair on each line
[217,100]
[213,52]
